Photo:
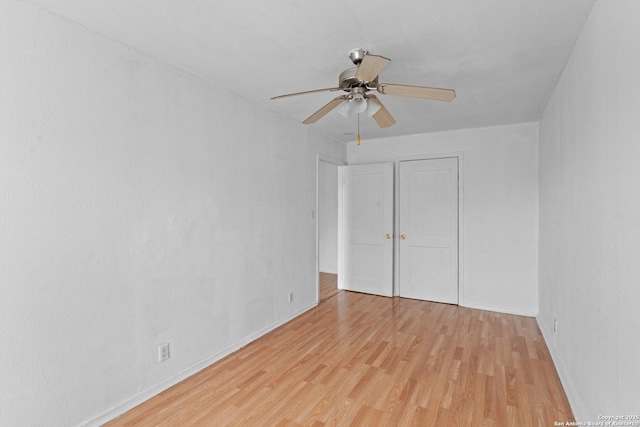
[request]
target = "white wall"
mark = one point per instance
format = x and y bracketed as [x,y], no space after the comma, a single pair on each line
[139,205]
[328,217]
[500,197]
[590,216]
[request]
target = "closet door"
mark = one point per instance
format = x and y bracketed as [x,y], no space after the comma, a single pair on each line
[429,229]
[368,228]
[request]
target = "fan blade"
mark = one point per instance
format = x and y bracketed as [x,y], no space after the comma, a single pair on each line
[370,67]
[417,91]
[324,110]
[382,116]
[329,89]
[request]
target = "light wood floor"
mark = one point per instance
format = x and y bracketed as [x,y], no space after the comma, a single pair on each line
[358,359]
[328,285]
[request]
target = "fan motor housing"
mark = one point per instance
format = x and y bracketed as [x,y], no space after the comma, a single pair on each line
[347,80]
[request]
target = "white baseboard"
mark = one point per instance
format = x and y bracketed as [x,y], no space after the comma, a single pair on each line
[501,310]
[569,389]
[132,402]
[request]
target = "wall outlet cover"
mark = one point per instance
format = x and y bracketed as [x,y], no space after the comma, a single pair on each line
[163,352]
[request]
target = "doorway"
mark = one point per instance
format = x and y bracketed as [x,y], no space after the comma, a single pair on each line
[327,226]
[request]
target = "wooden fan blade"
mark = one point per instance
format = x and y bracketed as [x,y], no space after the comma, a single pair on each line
[325,110]
[370,67]
[329,89]
[382,116]
[423,92]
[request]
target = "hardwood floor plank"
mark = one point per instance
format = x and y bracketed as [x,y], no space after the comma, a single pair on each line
[328,285]
[358,359]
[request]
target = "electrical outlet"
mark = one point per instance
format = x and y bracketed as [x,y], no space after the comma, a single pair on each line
[163,352]
[290,296]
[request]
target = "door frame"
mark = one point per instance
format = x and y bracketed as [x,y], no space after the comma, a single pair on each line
[316,212]
[396,248]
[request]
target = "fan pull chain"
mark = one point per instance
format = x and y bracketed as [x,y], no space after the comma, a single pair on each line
[358,129]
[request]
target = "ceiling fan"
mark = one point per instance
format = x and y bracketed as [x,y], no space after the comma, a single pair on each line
[362,79]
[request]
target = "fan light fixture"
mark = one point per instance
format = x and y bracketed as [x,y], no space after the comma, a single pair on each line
[358,103]
[356,82]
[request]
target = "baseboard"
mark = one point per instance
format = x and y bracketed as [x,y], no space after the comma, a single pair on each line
[132,402]
[501,310]
[569,390]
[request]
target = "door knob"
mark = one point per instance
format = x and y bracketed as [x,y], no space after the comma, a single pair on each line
[402,236]
[388,236]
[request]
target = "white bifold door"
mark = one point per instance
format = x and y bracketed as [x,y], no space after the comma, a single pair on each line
[368,228]
[428,218]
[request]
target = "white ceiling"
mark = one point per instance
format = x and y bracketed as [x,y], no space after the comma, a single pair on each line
[502,57]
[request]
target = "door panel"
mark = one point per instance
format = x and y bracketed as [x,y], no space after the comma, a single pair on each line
[368,218]
[430,203]
[366,191]
[429,223]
